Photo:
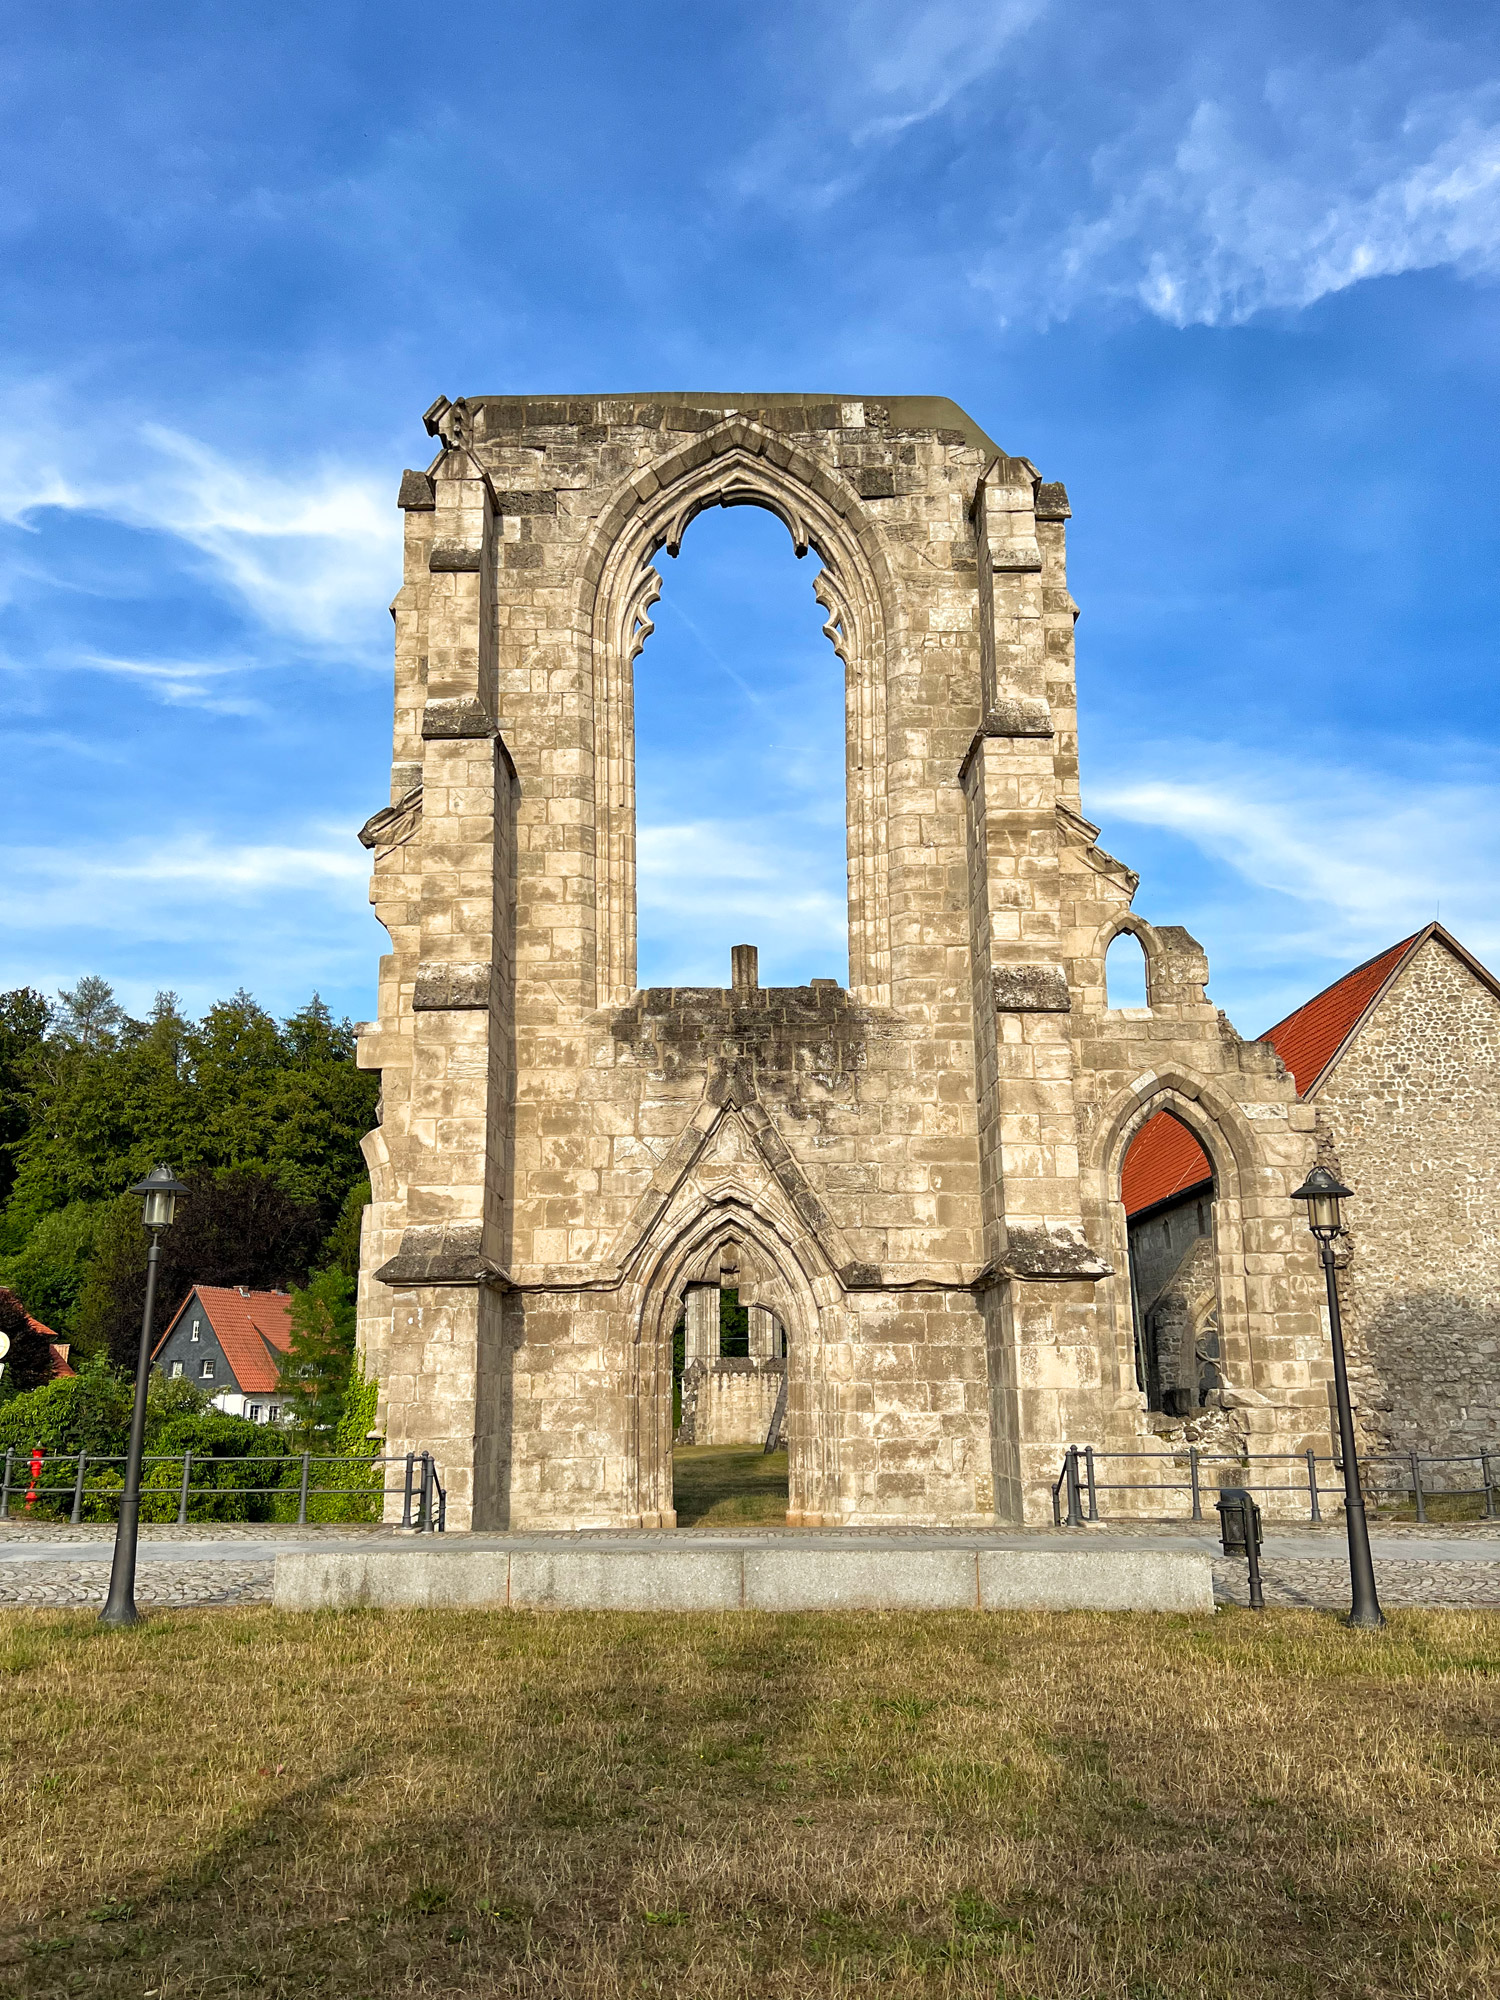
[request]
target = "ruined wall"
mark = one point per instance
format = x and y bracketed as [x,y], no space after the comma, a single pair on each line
[1413,1110]
[919,1176]
[730,1401]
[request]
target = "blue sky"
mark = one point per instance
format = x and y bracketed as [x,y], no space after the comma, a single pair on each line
[1230,276]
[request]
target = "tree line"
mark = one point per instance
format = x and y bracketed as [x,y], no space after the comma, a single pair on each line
[261,1119]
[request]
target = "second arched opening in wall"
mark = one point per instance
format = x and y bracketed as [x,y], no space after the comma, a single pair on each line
[1168,1188]
[1125,972]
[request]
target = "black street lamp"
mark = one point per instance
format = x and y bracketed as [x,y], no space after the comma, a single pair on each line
[158,1193]
[1323,1193]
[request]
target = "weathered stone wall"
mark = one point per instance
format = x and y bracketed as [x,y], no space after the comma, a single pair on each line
[918,1177]
[729,1401]
[1413,1112]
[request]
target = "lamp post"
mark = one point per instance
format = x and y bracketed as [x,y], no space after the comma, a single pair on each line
[158,1193]
[1323,1192]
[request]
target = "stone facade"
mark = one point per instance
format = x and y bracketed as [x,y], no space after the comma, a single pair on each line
[919,1176]
[1410,1111]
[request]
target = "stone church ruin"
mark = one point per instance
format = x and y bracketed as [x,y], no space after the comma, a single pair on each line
[913,1183]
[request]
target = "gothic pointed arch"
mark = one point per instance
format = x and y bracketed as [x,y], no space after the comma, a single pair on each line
[737,464]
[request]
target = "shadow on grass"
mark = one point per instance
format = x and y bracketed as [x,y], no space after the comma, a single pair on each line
[728,1485]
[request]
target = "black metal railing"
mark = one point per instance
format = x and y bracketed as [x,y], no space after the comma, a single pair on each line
[40,1483]
[1077,1490]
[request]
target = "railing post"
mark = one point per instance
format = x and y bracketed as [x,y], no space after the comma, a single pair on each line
[10,1459]
[1075,1491]
[411,1459]
[1312,1484]
[182,1496]
[1489,1485]
[1088,1462]
[1416,1486]
[1197,1485]
[424,1504]
[77,1514]
[302,1491]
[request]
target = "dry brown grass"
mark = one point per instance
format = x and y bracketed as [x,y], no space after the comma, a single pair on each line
[596,1805]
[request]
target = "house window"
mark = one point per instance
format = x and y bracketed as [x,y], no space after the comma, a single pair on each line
[274,1413]
[206,1368]
[254,1413]
[197,1324]
[175,1368]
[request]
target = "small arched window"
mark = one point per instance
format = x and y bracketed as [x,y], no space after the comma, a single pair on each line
[1125,972]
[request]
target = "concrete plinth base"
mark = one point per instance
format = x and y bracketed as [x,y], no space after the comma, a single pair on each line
[821,1573]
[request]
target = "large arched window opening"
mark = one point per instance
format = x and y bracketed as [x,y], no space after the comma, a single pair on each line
[739,763]
[1168,1188]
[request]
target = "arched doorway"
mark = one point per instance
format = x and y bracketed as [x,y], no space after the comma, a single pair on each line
[721,1383]
[1168,1188]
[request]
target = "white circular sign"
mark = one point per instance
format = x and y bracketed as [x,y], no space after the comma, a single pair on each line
[4,1345]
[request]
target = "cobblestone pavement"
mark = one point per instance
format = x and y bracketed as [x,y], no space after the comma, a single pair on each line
[159,1583]
[1322,1583]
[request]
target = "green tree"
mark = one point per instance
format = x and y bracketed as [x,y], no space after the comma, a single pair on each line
[24,1018]
[315,1370]
[342,1246]
[28,1364]
[89,1411]
[49,1270]
[234,1227]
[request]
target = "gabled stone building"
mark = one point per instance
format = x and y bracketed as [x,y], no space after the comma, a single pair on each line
[1400,1059]
[918,1176]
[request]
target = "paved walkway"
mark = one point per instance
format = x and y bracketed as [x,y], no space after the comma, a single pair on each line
[48,1564]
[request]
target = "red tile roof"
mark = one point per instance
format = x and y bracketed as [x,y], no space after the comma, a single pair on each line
[60,1347]
[1162,1159]
[253,1328]
[1308,1040]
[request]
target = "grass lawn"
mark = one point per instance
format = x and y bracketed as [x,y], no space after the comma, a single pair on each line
[1101,1806]
[727,1485]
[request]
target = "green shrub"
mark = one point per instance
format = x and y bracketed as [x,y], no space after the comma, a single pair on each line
[89,1411]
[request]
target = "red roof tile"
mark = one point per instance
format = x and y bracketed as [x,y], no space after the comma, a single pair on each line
[1162,1159]
[60,1347]
[253,1328]
[1308,1040]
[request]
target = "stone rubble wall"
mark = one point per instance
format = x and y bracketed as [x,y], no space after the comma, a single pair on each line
[1412,1112]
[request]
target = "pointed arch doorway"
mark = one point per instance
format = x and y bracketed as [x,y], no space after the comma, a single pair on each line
[692,1397]
[1169,1190]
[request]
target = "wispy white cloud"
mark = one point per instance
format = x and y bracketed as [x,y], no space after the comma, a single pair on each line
[307,552]
[180,683]
[1332,864]
[898,64]
[1280,197]
[906,63]
[171,880]
[711,883]
[195,910]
